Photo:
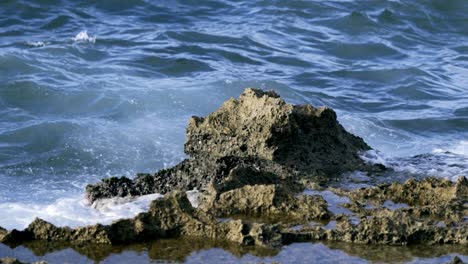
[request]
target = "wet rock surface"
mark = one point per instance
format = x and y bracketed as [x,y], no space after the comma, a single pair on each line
[263,125]
[251,160]
[17,261]
[270,200]
[436,214]
[456,260]
[258,132]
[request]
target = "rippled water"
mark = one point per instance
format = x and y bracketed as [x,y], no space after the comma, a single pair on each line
[90,89]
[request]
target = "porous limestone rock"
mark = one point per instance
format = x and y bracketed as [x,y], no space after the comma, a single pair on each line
[261,135]
[169,217]
[266,200]
[263,125]
[436,213]
[10,260]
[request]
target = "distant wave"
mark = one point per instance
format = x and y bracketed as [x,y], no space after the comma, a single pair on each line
[84,37]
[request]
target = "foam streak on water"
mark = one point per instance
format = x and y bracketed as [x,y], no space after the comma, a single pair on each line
[75,211]
[91,89]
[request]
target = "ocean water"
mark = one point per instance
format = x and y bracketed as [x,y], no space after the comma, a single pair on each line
[91,89]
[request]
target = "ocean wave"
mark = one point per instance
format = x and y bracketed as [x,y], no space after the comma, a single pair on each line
[36,43]
[77,105]
[84,37]
[74,211]
[460,148]
[440,163]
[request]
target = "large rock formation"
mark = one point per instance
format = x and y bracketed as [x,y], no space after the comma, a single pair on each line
[435,214]
[260,134]
[250,159]
[175,216]
[263,125]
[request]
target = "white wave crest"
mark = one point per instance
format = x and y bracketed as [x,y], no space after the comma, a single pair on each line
[460,148]
[74,211]
[36,43]
[84,37]
[450,163]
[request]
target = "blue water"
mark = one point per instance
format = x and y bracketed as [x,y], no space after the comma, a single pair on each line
[90,89]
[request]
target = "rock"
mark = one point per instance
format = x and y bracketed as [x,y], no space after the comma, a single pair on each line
[250,160]
[188,175]
[437,198]
[263,125]
[456,260]
[3,233]
[16,261]
[258,135]
[10,261]
[426,192]
[42,230]
[251,233]
[266,201]
[436,214]
[169,217]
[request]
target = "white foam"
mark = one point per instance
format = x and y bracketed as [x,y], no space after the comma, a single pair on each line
[374,157]
[460,148]
[74,211]
[36,43]
[84,37]
[194,197]
[449,163]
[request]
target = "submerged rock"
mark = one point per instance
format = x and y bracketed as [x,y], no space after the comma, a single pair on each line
[261,135]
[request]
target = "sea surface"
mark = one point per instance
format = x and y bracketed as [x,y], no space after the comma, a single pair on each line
[92,89]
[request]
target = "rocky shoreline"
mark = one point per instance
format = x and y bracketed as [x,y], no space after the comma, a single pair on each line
[262,169]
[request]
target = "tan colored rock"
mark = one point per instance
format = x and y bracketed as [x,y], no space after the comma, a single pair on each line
[429,191]
[10,260]
[251,233]
[436,214]
[263,125]
[266,200]
[259,134]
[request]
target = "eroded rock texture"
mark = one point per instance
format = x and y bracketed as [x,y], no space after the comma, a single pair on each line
[250,159]
[435,212]
[259,133]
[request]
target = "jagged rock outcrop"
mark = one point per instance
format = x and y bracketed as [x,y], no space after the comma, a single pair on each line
[170,217]
[10,260]
[263,125]
[250,160]
[271,200]
[192,174]
[259,133]
[435,212]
